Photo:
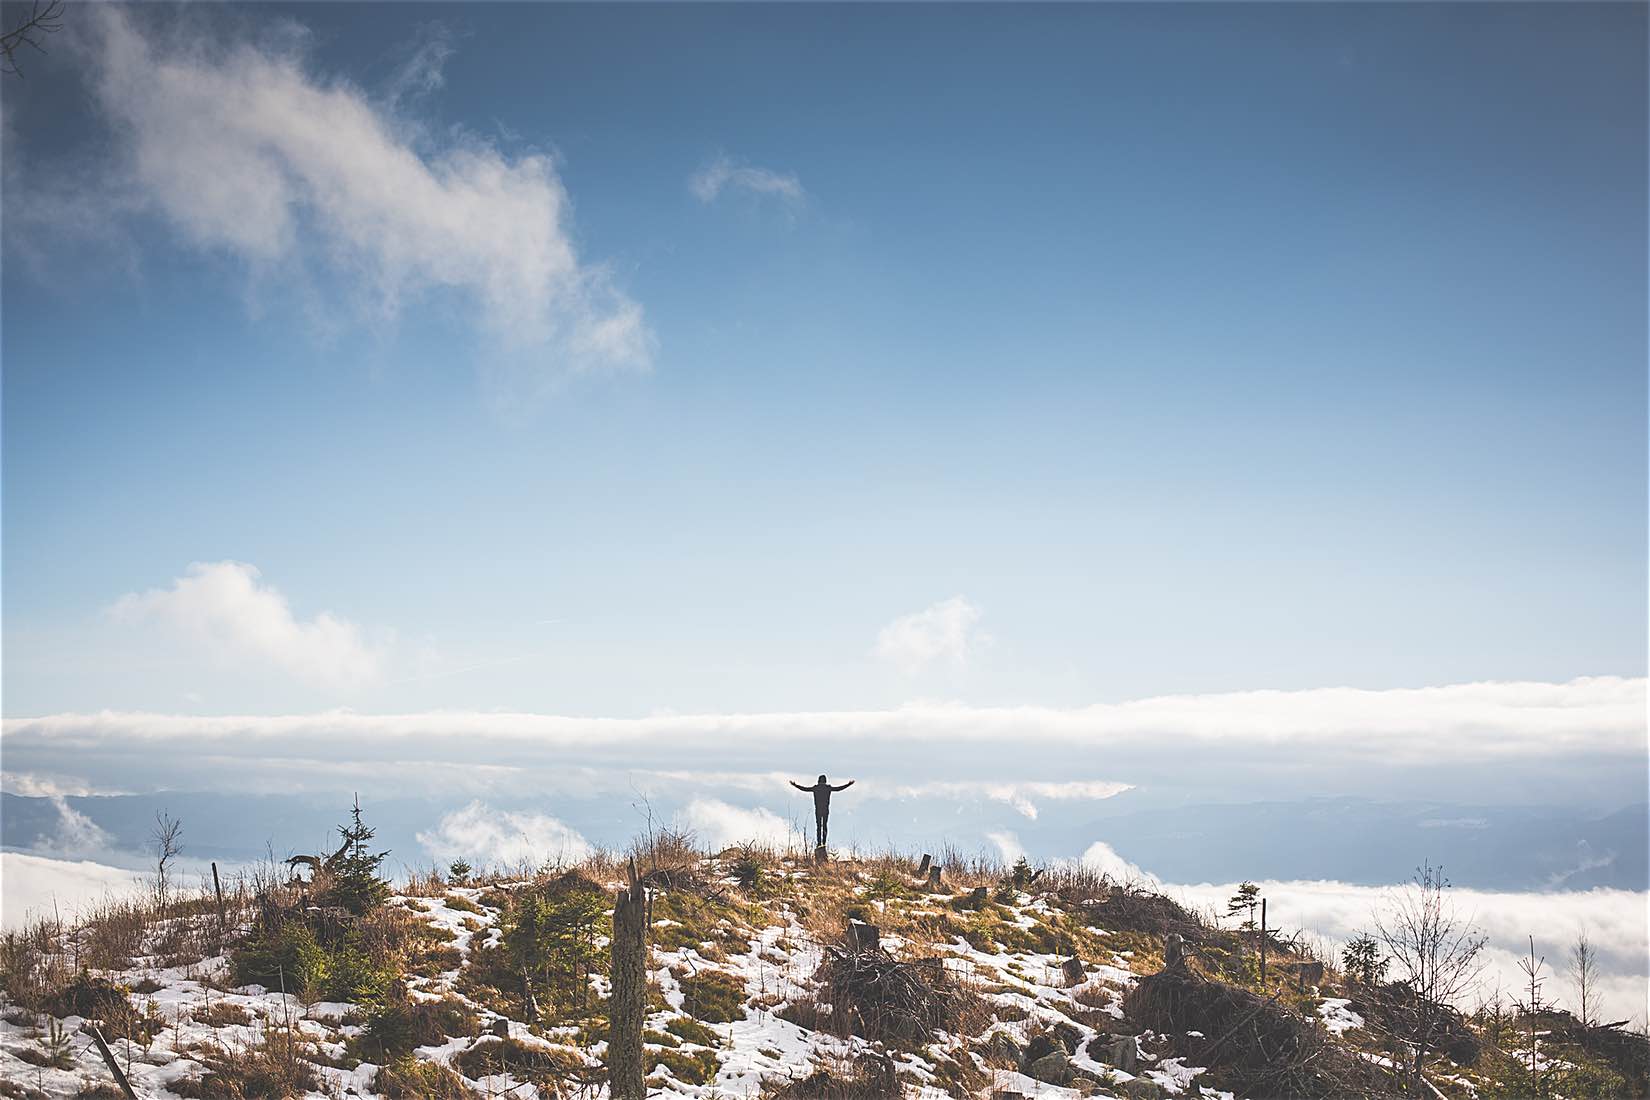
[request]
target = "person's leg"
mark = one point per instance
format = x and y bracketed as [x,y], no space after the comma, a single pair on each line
[819,830]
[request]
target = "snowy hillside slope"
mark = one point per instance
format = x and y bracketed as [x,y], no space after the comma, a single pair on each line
[764,981]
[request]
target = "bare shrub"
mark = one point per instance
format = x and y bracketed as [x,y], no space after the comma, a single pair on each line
[1435,952]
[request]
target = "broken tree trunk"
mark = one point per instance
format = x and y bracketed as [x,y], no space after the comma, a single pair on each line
[624,1041]
[109,1060]
[922,868]
[934,877]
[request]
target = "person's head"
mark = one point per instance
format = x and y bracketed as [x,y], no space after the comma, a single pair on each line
[822,779]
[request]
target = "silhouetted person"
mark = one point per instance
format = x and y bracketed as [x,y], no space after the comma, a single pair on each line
[822,804]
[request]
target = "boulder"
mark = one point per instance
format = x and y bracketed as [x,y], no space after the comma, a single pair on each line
[1053,1068]
[1122,1053]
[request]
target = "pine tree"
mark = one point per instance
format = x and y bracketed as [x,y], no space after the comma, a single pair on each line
[1246,898]
[1362,959]
[356,884]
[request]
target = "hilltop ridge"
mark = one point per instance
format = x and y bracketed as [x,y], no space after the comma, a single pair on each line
[769,975]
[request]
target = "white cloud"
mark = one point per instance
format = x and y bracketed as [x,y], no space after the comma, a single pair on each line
[1008,846]
[1101,857]
[718,824]
[721,173]
[76,835]
[507,838]
[33,887]
[249,153]
[1019,795]
[40,785]
[224,605]
[1582,739]
[943,633]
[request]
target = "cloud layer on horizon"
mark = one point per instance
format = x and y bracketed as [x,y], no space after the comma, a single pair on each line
[1391,743]
[1481,721]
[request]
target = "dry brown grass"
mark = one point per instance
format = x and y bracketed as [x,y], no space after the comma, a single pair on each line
[220,1014]
[278,1068]
[411,1078]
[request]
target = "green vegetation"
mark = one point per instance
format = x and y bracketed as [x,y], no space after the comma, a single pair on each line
[401,1026]
[688,1067]
[713,996]
[690,1030]
[550,936]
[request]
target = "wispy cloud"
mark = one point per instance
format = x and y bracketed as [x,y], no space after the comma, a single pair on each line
[247,151]
[723,173]
[1008,846]
[1018,795]
[506,838]
[1102,857]
[226,606]
[944,633]
[76,834]
[718,824]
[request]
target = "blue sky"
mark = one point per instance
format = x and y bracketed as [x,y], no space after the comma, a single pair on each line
[1009,356]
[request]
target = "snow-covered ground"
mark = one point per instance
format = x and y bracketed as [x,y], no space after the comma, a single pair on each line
[775,958]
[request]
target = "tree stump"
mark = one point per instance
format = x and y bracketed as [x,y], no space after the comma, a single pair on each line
[863,937]
[628,1004]
[922,868]
[1174,951]
[1308,973]
[821,855]
[934,877]
[1072,971]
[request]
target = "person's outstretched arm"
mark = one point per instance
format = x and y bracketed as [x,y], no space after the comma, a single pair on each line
[799,786]
[844,786]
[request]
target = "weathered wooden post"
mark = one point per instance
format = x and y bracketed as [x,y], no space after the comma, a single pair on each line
[1263,942]
[217,888]
[922,868]
[626,1009]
